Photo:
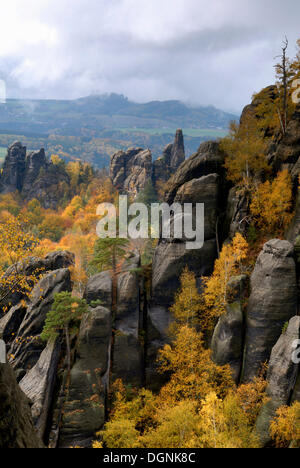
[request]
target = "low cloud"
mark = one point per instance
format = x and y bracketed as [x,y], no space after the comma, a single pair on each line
[201,52]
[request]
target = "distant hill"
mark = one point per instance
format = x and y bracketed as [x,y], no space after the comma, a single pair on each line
[94,127]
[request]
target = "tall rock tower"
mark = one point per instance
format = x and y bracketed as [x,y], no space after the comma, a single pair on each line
[177,152]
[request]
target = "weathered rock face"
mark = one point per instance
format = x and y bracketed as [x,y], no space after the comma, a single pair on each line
[173,156]
[11,322]
[171,255]
[170,259]
[138,172]
[59,259]
[47,186]
[16,426]
[236,213]
[282,375]
[288,151]
[99,288]
[13,173]
[84,410]
[194,182]
[35,161]
[177,152]
[36,266]
[296,391]
[227,341]
[203,190]
[27,347]
[294,228]
[161,166]
[297,250]
[209,159]
[38,385]
[270,92]
[127,360]
[131,170]
[273,301]
[32,175]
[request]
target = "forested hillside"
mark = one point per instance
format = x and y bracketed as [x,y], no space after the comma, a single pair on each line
[94,128]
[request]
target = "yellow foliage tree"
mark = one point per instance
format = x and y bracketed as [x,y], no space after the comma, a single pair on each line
[188,303]
[285,428]
[251,396]
[16,245]
[223,424]
[276,107]
[272,202]
[193,373]
[176,427]
[229,264]
[245,148]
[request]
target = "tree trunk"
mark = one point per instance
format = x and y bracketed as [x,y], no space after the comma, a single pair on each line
[68,349]
[114,282]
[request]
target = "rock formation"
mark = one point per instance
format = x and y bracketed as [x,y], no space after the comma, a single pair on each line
[273,302]
[209,159]
[38,385]
[282,375]
[196,180]
[32,175]
[84,409]
[132,170]
[121,340]
[228,338]
[128,348]
[173,156]
[27,347]
[16,426]
[287,153]
[13,173]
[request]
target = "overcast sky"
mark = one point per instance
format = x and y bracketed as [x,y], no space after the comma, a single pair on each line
[203,52]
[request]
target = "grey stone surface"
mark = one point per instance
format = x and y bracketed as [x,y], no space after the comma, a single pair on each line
[282,375]
[38,385]
[273,302]
[99,288]
[84,411]
[16,426]
[28,347]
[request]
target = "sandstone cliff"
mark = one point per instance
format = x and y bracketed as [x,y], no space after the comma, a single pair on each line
[132,170]
[32,175]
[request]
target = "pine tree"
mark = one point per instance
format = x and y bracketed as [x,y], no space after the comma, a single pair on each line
[64,316]
[109,254]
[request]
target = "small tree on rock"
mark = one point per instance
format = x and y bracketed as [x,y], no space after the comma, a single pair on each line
[64,316]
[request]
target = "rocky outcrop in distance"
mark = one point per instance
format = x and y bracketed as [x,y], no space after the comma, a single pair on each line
[132,170]
[32,175]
